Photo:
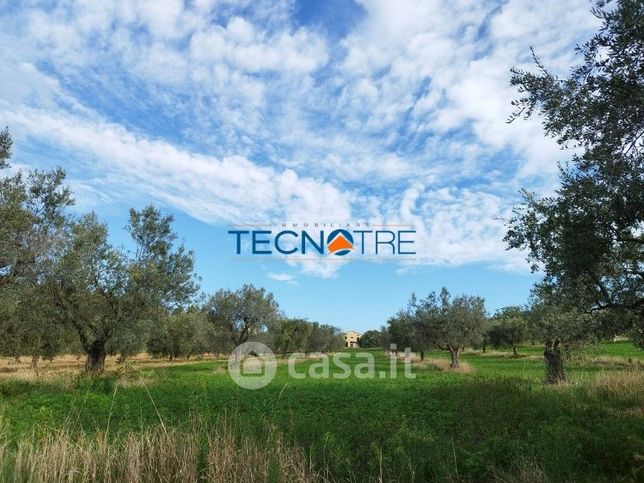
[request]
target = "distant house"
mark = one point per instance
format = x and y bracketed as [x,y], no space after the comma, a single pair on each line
[352,338]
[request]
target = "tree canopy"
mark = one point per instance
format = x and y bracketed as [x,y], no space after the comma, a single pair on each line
[5,147]
[438,321]
[508,327]
[588,237]
[370,339]
[239,315]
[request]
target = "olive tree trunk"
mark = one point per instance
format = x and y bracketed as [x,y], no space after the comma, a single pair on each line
[96,354]
[553,357]
[453,352]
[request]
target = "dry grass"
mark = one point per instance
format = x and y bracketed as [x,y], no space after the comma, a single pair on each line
[64,366]
[156,455]
[444,365]
[62,370]
[607,361]
[72,362]
[487,353]
[525,471]
[611,361]
[126,375]
[624,384]
[524,356]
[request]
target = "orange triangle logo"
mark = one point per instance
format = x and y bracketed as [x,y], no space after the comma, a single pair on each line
[339,243]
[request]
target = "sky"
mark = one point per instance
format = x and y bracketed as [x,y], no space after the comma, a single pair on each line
[224,113]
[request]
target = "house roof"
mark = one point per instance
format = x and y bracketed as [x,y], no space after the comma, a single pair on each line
[352,332]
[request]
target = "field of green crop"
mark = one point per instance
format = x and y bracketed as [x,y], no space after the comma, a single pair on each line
[494,421]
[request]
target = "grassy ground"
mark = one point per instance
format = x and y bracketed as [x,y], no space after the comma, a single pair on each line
[492,421]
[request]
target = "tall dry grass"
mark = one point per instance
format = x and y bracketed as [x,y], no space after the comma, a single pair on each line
[625,384]
[72,363]
[199,454]
[444,365]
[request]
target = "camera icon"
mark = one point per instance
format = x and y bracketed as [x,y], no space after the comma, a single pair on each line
[252,365]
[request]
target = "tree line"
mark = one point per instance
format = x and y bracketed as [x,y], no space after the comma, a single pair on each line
[65,288]
[587,237]
[62,284]
[442,322]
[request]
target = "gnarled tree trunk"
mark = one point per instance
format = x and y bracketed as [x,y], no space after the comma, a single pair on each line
[96,354]
[553,357]
[453,352]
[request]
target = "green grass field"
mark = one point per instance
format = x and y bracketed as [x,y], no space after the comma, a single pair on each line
[496,422]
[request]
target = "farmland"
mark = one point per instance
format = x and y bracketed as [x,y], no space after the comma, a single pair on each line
[492,420]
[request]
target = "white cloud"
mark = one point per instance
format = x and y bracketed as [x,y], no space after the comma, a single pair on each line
[454,226]
[323,267]
[231,111]
[282,277]
[230,189]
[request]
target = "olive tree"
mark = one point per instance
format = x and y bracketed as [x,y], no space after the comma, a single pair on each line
[324,338]
[28,324]
[91,277]
[106,294]
[402,331]
[508,327]
[33,231]
[446,323]
[370,339]
[33,224]
[291,335]
[239,315]
[5,147]
[588,236]
[175,335]
[561,329]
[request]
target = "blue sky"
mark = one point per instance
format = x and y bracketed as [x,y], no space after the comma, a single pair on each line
[229,112]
